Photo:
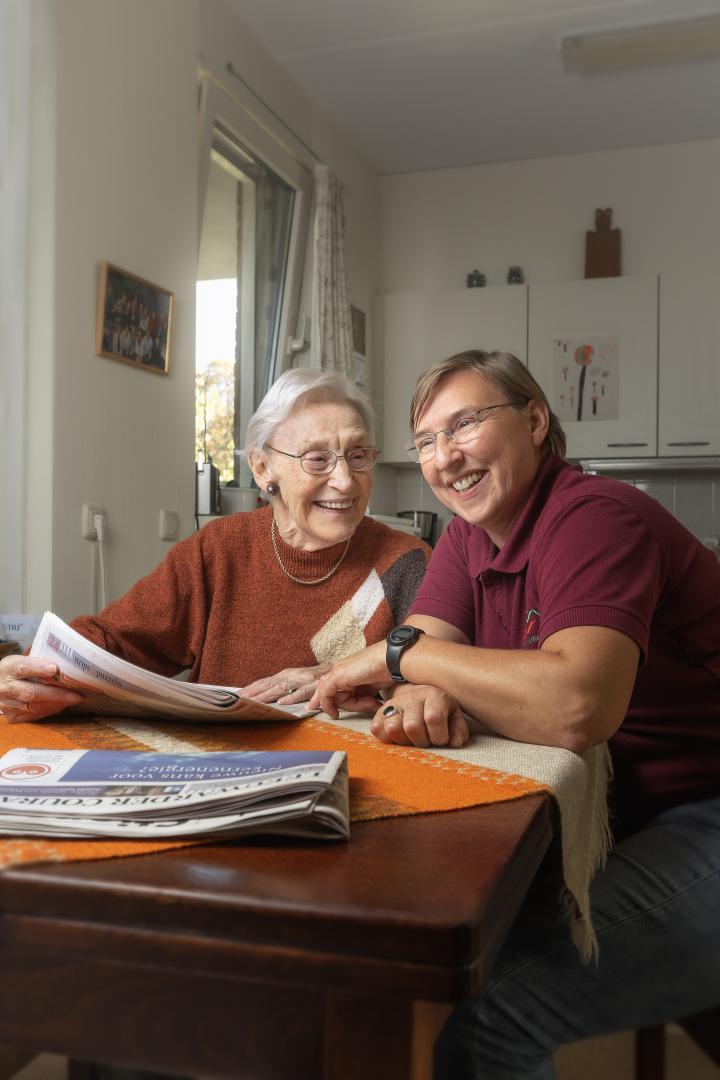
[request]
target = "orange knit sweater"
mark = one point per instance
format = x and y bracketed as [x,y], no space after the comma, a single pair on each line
[220,605]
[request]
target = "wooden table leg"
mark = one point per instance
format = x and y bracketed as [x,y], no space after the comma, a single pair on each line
[428,1021]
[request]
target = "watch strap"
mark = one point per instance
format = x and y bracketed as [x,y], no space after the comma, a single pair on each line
[395,649]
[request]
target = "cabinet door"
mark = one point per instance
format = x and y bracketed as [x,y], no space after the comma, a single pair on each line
[592,346]
[689,420]
[413,331]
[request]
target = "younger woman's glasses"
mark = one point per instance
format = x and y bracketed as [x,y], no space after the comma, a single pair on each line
[422,446]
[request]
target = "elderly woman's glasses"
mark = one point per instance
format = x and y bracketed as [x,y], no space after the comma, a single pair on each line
[422,446]
[319,462]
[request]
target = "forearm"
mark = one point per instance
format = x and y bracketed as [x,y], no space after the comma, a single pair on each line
[536,696]
[573,692]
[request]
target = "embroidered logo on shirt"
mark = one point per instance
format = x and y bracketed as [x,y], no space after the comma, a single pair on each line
[531,633]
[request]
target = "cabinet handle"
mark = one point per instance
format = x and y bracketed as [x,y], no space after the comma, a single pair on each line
[627,444]
[706,443]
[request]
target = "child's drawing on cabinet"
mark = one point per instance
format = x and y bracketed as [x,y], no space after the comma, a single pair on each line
[586,378]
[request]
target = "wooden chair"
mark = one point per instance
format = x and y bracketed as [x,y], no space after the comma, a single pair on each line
[703,1028]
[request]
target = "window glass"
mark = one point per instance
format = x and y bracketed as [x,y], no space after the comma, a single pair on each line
[242,270]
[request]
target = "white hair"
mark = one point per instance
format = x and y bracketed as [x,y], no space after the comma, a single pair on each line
[303,386]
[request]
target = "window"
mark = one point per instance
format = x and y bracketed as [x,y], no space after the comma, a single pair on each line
[254,212]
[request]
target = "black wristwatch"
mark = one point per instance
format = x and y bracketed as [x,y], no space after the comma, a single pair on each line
[398,640]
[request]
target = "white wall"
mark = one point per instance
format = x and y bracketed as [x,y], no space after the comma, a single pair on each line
[115,107]
[113,165]
[437,226]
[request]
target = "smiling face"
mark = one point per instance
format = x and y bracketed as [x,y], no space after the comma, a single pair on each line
[485,481]
[314,512]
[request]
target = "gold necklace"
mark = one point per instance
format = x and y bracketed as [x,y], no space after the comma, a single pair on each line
[297,580]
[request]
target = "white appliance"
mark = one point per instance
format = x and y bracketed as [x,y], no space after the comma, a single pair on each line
[401,524]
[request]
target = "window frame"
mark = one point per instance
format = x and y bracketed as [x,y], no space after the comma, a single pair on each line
[237,116]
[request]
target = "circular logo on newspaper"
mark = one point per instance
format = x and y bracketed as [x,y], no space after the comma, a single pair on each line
[27,771]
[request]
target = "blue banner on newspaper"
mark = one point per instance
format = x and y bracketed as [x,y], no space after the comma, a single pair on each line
[121,766]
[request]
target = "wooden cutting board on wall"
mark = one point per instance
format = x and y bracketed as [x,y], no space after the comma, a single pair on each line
[603,248]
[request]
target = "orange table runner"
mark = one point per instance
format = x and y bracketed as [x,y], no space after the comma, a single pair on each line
[385,781]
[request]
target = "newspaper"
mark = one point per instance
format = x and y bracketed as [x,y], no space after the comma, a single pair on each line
[114,687]
[144,795]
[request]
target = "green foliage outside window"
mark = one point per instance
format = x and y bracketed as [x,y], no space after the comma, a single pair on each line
[214,415]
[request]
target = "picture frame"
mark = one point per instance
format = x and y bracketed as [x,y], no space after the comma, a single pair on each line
[134,320]
[357,321]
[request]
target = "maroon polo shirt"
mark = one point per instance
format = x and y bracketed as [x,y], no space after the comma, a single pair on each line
[591,551]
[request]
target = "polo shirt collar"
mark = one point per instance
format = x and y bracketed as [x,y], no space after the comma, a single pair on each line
[513,556]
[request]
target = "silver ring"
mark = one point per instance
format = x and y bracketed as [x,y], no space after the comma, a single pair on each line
[391,711]
[290,688]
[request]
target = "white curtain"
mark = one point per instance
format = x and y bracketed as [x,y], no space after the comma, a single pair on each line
[332,329]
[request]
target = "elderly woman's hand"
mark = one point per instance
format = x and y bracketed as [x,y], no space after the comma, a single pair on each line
[421,716]
[24,693]
[289,686]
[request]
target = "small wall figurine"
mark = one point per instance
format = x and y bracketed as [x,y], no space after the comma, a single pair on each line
[602,247]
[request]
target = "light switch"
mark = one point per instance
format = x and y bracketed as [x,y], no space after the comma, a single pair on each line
[169,525]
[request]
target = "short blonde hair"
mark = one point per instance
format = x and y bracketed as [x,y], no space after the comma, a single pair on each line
[505,372]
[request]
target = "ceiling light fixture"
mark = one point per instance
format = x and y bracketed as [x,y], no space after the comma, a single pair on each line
[600,48]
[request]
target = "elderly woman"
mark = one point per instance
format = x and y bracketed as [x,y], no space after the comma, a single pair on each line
[266,600]
[564,609]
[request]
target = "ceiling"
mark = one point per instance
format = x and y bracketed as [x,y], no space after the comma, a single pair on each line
[429,84]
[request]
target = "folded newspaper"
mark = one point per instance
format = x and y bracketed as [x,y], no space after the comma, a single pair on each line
[144,795]
[114,687]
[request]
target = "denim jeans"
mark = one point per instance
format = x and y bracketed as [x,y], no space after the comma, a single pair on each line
[656,912]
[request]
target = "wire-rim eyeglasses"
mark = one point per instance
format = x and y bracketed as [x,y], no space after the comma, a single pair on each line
[321,462]
[422,446]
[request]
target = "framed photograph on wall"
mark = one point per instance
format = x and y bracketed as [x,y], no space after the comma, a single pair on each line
[134,320]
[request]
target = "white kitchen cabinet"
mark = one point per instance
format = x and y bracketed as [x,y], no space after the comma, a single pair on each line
[689,413]
[413,331]
[592,346]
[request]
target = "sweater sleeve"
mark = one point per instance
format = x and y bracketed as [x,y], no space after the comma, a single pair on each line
[402,580]
[159,624]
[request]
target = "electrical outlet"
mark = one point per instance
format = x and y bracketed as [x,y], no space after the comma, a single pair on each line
[89,511]
[168,525]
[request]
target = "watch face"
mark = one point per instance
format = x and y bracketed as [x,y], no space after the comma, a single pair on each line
[402,634]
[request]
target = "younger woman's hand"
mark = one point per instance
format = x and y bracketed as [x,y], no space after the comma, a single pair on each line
[352,683]
[421,716]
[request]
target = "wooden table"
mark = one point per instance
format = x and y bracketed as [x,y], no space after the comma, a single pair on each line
[265,960]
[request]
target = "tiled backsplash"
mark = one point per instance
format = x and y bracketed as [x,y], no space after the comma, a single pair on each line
[693,497]
[396,489]
[694,501]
